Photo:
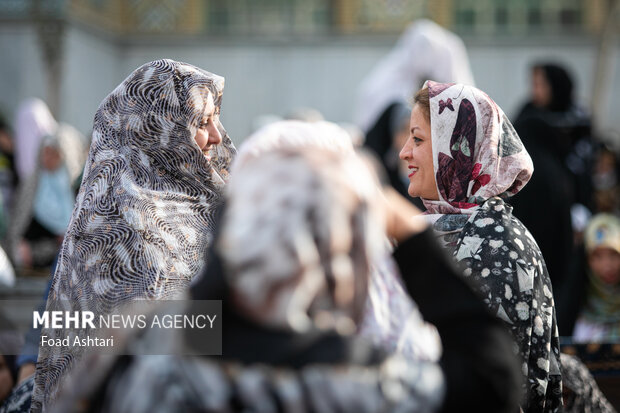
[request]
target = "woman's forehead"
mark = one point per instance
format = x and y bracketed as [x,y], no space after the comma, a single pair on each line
[202,100]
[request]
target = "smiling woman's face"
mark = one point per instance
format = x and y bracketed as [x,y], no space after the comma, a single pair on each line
[418,153]
[207,134]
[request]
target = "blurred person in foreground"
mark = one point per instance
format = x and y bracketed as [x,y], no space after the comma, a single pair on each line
[599,318]
[51,158]
[290,261]
[465,159]
[424,51]
[391,319]
[145,210]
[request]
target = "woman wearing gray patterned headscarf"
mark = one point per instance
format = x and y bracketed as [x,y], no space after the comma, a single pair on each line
[144,213]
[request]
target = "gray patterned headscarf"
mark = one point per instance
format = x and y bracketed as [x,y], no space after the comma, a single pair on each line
[145,210]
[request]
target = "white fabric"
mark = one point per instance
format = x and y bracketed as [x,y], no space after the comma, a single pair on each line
[390,317]
[33,122]
[424,51]
[7,275]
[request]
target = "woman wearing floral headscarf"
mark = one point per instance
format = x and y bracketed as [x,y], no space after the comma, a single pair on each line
[464,159]
[144,212]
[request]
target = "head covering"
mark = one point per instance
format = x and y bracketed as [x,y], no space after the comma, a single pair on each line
[48,196]
[294,135]
[54,197]
[144,212]
[33,122]
[603,230]
[603,300]
[476,152]
[561,86]
[299,234]
[425,50]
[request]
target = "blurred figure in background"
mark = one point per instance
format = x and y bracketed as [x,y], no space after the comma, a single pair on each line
[580,391]
[424,51]
[605,181]
[49,157]
[13,397]
[556,134]
[33,122]
[44,202]
[8,175]
[569,125]
[599,319]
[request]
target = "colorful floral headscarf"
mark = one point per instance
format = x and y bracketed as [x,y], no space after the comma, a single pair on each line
[476,152]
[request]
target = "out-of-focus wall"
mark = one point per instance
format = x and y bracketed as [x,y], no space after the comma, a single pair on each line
[270,77]
[21,72]
[92,69]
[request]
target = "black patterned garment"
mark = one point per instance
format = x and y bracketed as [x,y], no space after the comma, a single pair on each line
[145,210]
[581,393]
[500,255]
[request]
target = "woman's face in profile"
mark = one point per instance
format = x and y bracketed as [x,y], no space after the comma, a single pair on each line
[207,134]
[418,153]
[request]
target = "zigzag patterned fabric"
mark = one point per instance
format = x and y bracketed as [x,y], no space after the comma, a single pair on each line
[145,210]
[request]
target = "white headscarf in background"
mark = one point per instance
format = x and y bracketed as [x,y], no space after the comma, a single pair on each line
[45,195]
[33,122]
[424,51]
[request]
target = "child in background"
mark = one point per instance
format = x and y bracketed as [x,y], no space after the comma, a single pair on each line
[599,319]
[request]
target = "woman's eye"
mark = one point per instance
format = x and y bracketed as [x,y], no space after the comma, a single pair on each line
[417,140]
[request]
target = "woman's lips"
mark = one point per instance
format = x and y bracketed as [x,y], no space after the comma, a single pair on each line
[413,170]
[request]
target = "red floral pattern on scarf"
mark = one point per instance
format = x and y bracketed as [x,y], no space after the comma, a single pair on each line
[476,152]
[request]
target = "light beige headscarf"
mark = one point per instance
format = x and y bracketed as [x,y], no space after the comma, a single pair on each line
[285,193]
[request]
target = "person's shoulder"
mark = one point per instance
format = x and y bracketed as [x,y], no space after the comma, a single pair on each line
[496,221]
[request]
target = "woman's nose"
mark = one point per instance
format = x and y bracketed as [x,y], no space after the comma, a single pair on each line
[215,137]
[405,152]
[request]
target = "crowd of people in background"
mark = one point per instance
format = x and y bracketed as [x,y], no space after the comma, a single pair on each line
[428,261]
